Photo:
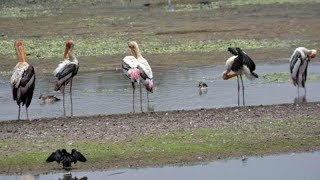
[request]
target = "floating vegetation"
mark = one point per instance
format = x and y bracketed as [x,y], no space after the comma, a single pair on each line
[284,77]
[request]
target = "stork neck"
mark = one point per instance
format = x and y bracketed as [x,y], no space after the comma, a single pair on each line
[20,54]
[71,55]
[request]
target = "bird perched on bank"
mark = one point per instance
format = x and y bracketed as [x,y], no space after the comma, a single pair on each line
[48,99]
[22,80]
[239,64]
[65,72]
[62,156]
[299,62]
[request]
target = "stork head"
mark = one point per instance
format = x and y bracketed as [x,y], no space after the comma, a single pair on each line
[69,47]
[312,54]
[134,48]
[226,75]
[19,50]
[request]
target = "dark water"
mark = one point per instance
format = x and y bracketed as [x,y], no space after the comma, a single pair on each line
[110,92]
[304,166]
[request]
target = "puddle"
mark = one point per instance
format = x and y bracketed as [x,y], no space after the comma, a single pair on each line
[110,92]
[276,167]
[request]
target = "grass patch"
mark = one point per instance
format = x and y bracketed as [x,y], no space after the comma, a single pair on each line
[270,136]
[42,47]
[284,77]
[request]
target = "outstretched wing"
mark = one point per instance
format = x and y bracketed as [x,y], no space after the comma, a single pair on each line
[77,156]
[55,156]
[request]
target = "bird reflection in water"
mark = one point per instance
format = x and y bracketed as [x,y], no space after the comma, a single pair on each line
[300,99]
[69,177]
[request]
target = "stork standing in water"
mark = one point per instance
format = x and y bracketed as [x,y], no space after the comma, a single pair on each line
[22,80]
[299,65]
[239,64]
[137,69]
[65,72]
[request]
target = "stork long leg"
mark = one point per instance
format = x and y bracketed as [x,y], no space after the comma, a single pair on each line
[133,88]
[140,97]
[64,107]
[19,112]
[242,90]
[71,97]
[238,91]
[27,113]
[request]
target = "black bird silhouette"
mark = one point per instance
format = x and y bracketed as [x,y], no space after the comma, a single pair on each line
[66,158]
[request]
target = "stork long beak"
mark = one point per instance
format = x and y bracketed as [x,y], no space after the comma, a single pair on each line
[133,52]
[20,52]
[66,52]
[231,75]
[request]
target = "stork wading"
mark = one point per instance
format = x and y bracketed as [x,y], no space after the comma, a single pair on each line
[22,80]
[238,65]
[299,62]
[138,70]
[65,72]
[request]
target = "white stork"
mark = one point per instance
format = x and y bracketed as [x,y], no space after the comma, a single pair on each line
[65,72]
[239,64]
[22,80]
[138,70]
[299,65]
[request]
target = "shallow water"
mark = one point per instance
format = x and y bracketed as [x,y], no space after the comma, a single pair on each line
[276,167]
[110,92]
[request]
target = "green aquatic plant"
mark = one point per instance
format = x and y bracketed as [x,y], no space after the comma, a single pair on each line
[284,77]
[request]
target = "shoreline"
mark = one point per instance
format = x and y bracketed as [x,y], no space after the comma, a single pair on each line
[134,140]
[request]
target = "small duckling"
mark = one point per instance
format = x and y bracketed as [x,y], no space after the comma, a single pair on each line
[202,88]
[48,99]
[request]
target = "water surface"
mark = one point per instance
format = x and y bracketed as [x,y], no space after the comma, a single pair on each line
[302,166]
[110,92]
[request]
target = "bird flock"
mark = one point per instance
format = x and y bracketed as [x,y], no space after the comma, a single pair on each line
[139,72]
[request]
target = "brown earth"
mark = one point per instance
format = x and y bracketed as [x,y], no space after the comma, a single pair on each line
[300,22]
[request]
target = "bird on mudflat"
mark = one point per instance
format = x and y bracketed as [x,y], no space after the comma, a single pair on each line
[138,70]
[62,156]
[299,62]
[239,64]
[22,80]
[65,72]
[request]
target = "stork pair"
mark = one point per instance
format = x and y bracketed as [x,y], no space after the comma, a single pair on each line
[241,63]
[23,77]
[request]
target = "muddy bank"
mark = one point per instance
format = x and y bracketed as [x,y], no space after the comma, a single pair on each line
[46,135]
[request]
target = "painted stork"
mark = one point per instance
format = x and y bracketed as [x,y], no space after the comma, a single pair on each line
[299,65]
[239,64]
[138,70]
[22,80]
[65,72]
[146,75]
